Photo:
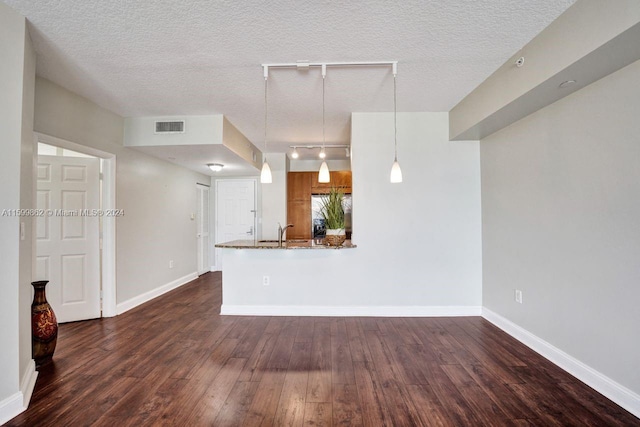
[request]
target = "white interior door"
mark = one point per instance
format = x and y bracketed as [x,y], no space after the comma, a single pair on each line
[68,235]
[235,212]
[202,219]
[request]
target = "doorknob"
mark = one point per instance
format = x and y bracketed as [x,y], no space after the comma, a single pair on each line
[250,232]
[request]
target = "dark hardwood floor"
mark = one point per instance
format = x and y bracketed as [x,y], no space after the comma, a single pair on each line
[175,361]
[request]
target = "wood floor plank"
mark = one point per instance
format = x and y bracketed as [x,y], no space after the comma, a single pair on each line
[284,343]
[176,361]
[319,386]
[432,412]
[341,358]
[374,408]
[318,414]
[401,410]
[305,330]
[290,410]
[265,402]
[354,333]
[347,410]
[237,405]
[480,402]
[182,405]
[216,394]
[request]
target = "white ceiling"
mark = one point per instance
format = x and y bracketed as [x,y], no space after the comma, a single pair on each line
[201,57]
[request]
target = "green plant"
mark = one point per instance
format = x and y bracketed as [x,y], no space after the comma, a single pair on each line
[332,210]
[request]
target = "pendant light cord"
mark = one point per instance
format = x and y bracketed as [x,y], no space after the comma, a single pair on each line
[265,118]
[323,139]
[395,120]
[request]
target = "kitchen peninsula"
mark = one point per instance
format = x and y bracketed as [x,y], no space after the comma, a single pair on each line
[264,278]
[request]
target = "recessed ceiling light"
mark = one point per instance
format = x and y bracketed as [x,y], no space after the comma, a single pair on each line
[567,83]
[216,167]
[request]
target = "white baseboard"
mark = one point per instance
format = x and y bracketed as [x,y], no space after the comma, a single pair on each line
[17,403]
[28,382]
[148,296]
[214,268]
[350,311]
[11,407]
[594,379]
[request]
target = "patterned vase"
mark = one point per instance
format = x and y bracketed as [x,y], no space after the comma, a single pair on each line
[44,326]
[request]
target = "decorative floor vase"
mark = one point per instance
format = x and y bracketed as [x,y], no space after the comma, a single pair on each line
[44,326]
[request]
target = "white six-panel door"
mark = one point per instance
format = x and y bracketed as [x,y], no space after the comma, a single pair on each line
[235,212]
[68,245]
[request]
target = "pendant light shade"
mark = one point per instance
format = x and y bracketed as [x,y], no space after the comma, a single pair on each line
[265,174]
[396,174]
[323,174]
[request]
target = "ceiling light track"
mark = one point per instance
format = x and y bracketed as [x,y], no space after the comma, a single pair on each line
[305,64]
[320,146]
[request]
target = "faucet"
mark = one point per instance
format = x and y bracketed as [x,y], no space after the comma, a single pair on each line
[281,232]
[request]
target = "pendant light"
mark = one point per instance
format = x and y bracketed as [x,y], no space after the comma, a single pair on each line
[265,174]
[396,173]
[323,173]
[294,153]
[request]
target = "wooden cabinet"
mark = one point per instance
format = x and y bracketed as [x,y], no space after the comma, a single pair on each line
[300,187]
[299,205]
[341,179]
[299,214]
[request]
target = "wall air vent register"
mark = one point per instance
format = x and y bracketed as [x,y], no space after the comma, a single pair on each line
[170,127]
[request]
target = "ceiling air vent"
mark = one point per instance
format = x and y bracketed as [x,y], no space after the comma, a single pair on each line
[170,127]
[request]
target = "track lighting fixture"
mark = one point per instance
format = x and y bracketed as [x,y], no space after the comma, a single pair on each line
[323,174]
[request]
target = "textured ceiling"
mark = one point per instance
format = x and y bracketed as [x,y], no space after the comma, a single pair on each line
[170,57]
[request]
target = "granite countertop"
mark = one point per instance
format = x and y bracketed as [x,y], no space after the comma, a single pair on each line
[289,244]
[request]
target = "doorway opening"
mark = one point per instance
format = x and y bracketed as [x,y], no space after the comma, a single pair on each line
[75,241]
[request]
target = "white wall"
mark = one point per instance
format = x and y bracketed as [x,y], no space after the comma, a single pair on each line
[418,242]
[17,74]
[27,200]
[561,222]
[157,197]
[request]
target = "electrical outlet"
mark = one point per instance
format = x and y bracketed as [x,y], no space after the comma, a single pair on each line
[265,280]
[171,264]
[518,296]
